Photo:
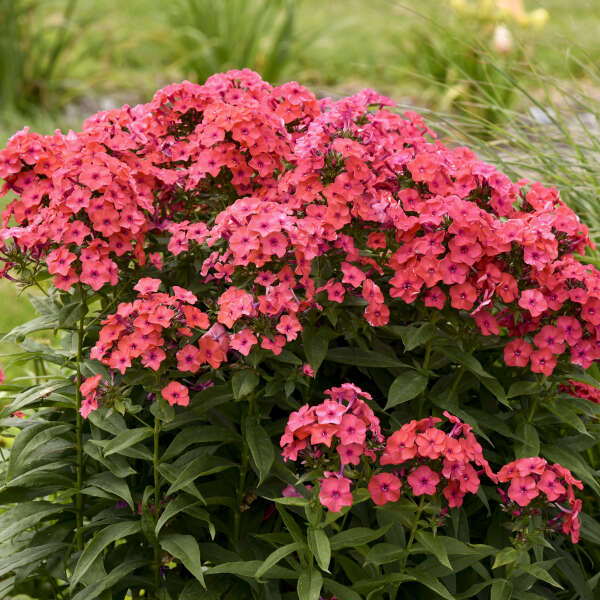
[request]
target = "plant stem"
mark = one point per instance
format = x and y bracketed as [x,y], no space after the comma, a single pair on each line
[156,564]
[413,531]
[79,428]
[456,381]
[421,400]
[532,410]
[245,459]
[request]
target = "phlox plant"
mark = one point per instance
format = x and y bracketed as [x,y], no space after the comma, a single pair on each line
[300,349]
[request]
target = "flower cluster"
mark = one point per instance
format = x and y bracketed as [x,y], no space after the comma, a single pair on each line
[339,431]
[577,389]
[529,478]
[156,321]
[429,455]
[332,438]
[249,179]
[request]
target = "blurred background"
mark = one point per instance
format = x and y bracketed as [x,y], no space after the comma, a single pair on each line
[517,80]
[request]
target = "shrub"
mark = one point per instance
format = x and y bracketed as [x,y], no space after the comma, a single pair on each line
[302,350]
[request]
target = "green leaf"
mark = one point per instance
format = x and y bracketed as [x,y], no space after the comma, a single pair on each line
[174,507]
[501,590]
[260,446]
[506,556]
[413,337]
[433,583]
[98,543]
[405,387]
[590,529]
[358,536]
[276,556]
[21,517]
[318,542]
[201,466]
[362,358]
[162,410]
[341,591]
[31,439]
[126,439]
[540,573]
[107,482]
[197,435]
[243,382]
[185,548]
[434,545]
[248,568]
[528,442]
[28,556]
[473,365]
[523,388]
[310,584]
[364,585]
[33,395]
[290,524]
[384,553]
[71,313]
[119,572]
[316,343]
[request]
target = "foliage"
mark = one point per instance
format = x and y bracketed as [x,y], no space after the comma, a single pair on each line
[36,40]
[471,51]
[215,36]
[214,264]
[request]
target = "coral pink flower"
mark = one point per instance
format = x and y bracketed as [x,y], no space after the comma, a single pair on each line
[453,494]
[551,486]
[323,434]
[423,481]
[517,353]
[571,525]
[176,393]
[335,493]
[534,302]
[308,370]
[243,341]
[352,430]
[432,443]
[59,261]
[543,361]
[350,453]
[153,358]
[523,490]
[90,385]
[330,412]
[147,285]
[384,488]
[289,326]
[552,338]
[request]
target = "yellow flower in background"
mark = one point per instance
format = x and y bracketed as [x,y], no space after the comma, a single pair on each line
[505,11]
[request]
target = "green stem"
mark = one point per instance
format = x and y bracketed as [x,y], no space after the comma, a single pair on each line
[155,461]
[456,381]
[79,429]
[413,531]
[421,400]
[532,410]
[245,459]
